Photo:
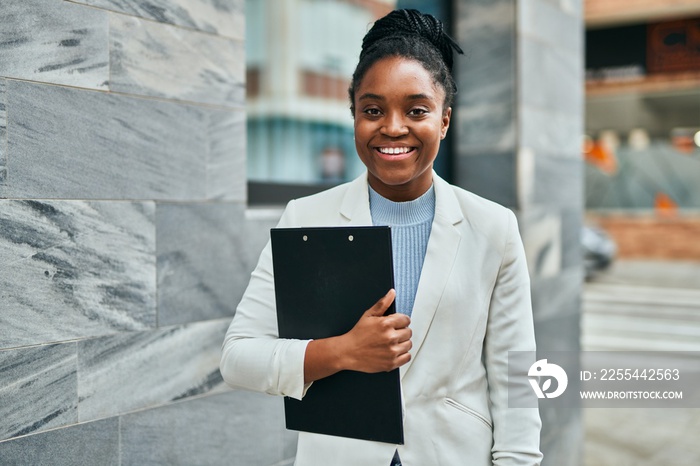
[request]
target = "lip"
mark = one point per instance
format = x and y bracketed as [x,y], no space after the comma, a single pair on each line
[394,157]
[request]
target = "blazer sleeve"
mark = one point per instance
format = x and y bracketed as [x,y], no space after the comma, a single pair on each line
[253,356]
[516,431]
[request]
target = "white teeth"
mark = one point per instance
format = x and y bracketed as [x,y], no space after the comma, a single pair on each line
[394,150]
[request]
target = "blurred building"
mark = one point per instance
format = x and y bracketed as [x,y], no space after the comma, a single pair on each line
[300,56]
[643,124]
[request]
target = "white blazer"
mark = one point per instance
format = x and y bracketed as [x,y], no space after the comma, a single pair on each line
[472,307]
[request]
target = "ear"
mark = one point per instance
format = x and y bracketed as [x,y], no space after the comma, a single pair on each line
[446,115]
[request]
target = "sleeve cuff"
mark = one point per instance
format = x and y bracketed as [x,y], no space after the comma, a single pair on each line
[291,381]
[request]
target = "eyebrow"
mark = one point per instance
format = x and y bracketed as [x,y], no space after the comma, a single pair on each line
[379,97]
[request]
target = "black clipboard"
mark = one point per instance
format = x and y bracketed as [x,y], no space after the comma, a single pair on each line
[325,279]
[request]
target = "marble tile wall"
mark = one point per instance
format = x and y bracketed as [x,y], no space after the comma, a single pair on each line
[223,18]
[168,364]
[485,78]
[54,41]
[3,133]
[226,165]
[90,443]
[28,376]
[201,261]
[519,129]
[224,435]
[75,269]
[124,242]
[195,67]
[126,148]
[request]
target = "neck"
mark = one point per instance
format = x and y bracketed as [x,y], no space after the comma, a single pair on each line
[401,193]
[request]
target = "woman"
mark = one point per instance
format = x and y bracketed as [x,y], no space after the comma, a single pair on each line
[462,288]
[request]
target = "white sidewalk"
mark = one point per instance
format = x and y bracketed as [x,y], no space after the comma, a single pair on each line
[642,305]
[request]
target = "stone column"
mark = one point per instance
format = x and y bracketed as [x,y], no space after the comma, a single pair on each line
[517,142]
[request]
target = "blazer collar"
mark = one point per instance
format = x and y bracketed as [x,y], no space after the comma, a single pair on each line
[355,204]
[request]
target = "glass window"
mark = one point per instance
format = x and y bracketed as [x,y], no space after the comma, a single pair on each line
[643,115]
[300,57]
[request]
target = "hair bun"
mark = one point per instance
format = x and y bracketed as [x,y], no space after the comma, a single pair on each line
[413,22]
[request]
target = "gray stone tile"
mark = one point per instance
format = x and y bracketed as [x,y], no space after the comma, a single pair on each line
[54,41]
[486,76]
[490,175]
[550,132]
[160,60]
[225,18]
[571,224]
[71,269]
[562,436]
[3,133]
[125,148]
[558,182]
[258,222]
[126,372]
[556,303]
[553,23]
[201,261]
[485,14]
[560,333]
[485,126]
[226,165]
[289,446]
[236,428]
[94,443]
[542,239]
[552,241]
[38,389]
[562,89]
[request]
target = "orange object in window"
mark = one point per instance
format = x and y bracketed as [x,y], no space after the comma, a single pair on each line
[665,206]
[600,156]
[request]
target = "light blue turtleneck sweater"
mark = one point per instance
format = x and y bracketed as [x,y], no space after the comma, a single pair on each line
[410,229]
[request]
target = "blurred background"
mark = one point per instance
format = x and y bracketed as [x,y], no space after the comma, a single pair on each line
[640,240]
[146,147]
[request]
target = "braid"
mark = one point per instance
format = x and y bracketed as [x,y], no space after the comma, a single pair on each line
[414,35]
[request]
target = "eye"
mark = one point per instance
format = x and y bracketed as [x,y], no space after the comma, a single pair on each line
[372,111]
[417,112]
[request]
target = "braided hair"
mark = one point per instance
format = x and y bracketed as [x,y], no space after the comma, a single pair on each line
[413,35]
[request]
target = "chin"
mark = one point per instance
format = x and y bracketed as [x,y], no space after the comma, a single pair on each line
[393,179]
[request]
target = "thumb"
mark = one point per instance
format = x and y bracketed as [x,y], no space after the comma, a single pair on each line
[380,307]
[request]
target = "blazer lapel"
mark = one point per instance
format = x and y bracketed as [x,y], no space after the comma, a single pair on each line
[355,205]
[439,258]
[437,267]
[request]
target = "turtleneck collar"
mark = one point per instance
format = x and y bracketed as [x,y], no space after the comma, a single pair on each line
[387,212]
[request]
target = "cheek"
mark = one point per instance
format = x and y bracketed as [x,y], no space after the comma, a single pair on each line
[361,132]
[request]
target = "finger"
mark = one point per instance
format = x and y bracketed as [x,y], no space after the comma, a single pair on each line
[403,335]
[404,347]
[399,320]
[380,307]
[401,360]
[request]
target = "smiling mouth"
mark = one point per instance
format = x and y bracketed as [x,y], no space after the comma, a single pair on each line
[394,153]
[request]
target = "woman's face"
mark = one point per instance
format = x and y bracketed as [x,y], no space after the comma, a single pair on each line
[399,123]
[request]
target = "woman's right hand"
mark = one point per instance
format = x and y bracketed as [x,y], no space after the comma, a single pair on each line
[376,343]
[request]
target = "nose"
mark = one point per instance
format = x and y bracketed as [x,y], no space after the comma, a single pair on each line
[394,125]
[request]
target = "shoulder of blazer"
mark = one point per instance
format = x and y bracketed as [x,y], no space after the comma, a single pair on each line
[325,207]
[484,216]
